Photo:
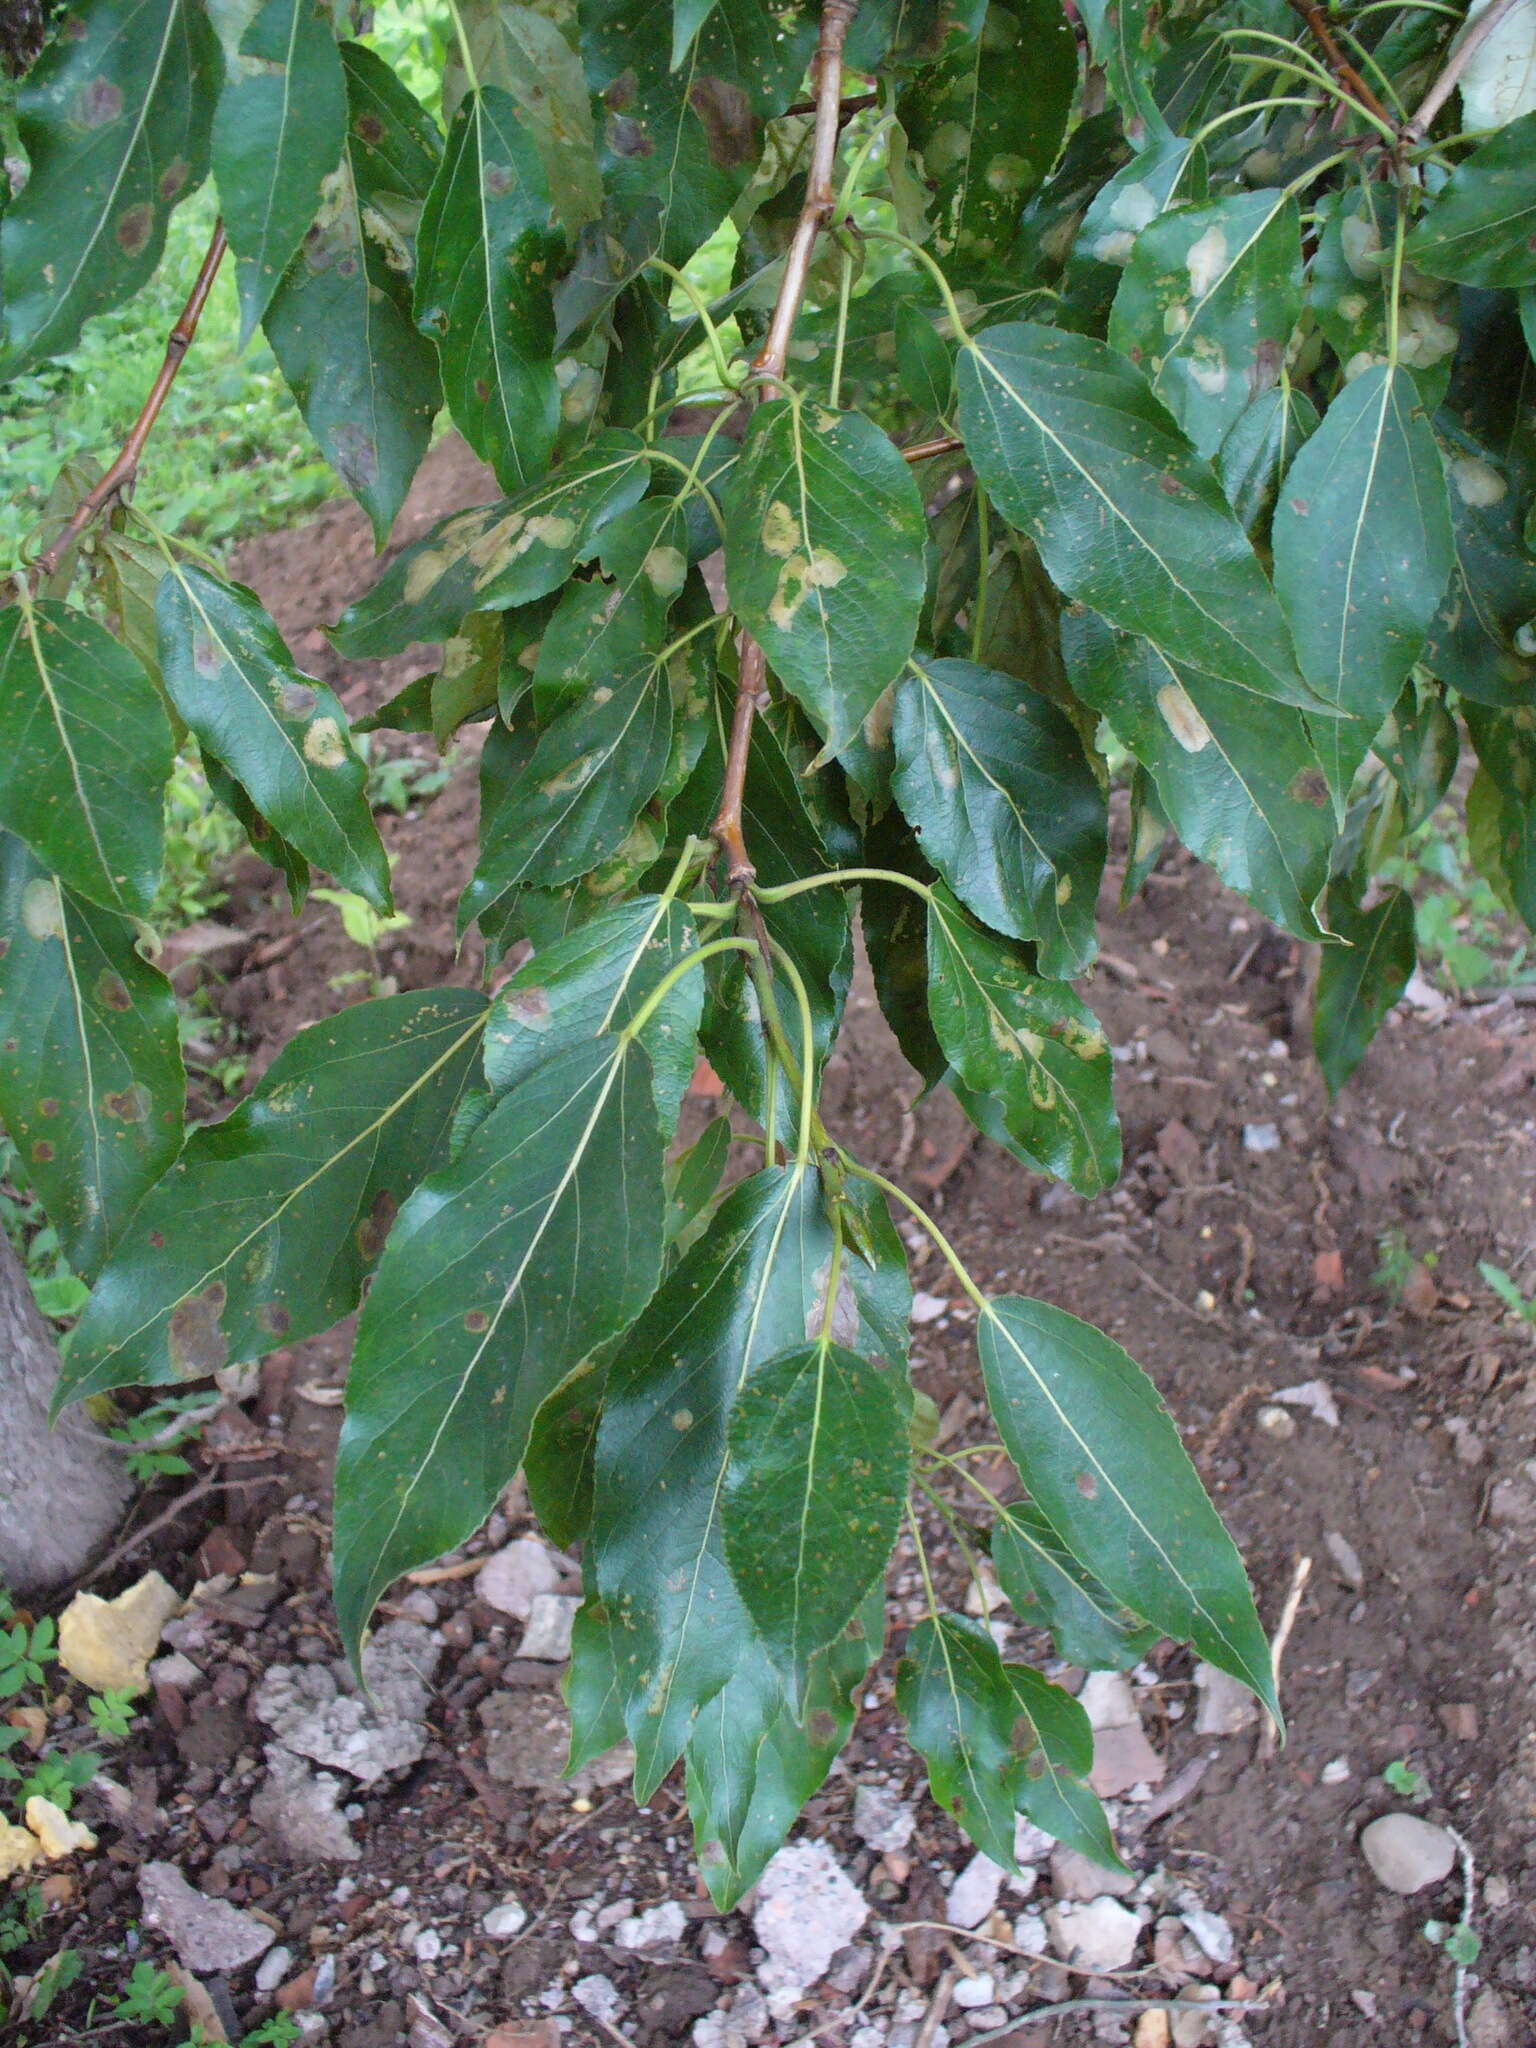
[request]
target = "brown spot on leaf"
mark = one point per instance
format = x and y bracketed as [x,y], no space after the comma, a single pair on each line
[49,1106]
[196,1343]
[1087,1485]
[130,1105]
[376,1225]
[730,127]
[298,700]
[135,225]
[822,1727]
[628,138]
[173,178]
[1309,787]
[98,103]
[476,1321]
[621,92]
[274,1318]
[369,128]
[112,991]
[498,180]
[42,1151]
[205,654]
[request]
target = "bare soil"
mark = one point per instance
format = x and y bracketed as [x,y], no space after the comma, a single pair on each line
[1232,1273]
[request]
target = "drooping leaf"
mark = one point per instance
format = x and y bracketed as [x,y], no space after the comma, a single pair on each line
[339,321]
[1360,980]
[277,136]
[557,1465]
[91,1082]
[998,1740]
[1506,752]
[1098,1451]
[504,1271]
[1481,228]
[895,928]
[1478,642]
[985,144]
[282,734]
[1076,450]
[1207,304]
[824,557]
[487,250]
[530,57]
[1258,450]
[1351,285]
[1239,779]
[1047,1586]
[1362,540]
[468,684]
[85,751]
[114,121]
[923,361]
[1124,40]
[692,1180]
[1025,1045]
[497,556]
[595,980]
[265,1228]
[818,1458]
[994,782]
[265,839]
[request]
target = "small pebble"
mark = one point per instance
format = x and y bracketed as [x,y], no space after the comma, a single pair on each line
[1406,1853]
[1260,1138]
[427,1946]
[974,1991]
[273,1968]
[505,1920]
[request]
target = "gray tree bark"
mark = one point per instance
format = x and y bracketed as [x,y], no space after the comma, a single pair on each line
[62,1490]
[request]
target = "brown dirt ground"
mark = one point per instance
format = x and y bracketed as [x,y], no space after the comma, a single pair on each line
[1229,1273]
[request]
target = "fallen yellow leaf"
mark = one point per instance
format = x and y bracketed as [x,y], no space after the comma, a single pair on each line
[18,1849]
[56,1833]
[107,1644]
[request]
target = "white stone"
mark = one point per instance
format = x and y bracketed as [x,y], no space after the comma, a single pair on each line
[1108,1701]
[1075,1876]
[1213,1934]
[1095,1934]
[427,1946]
[297,1808]
[1335,1771]
[505,1920]
[927,1308]
[309,1713]
[970,1992]
[806,1910]
[1315,1396]
[881,1819]
[1260,1138]
[657,1927]
[512,1579]
[547,1638]
[1406,1853]
[973,1895]
[598,1996]
[1226,1707]
[1029,1842]
[210,1936]
[273,1968]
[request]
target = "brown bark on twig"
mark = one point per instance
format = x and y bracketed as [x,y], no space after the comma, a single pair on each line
[1345,72]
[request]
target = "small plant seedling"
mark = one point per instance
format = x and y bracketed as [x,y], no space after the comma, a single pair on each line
[24,1652]
[1459,1940]
[111,1714]
[151,1998]
[1521,1306]
[1404,1779]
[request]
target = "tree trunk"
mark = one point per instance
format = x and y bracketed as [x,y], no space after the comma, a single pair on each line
[61,1490]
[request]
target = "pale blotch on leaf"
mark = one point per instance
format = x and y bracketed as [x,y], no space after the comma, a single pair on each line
[1206,260]
[1360,240]
[1477,482]
[1064,889]
[196,1344]
[666,569]
[1182,719]
[844,1323]
[324,746]
[425,573]
[42,910]
[781,529]
[798,577]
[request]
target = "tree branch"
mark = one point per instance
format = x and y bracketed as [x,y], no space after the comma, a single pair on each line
[1461,55]
[768,371]
[122,471]
[1357,88]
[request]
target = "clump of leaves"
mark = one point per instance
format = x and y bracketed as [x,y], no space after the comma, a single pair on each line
[1172,410]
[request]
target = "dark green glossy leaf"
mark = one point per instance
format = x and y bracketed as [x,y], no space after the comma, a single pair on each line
[485,260]
[530,57]
[824,557]
[277,136]
[1125,42]
[85,750]
[1506,752]
[693,1179]
[504,1271]
[1481,229]
[282,734]
[994,782]
[1360,980]
[1025,1044]
[264,838]
[497,556]
[1098,1451]
[1362,540]
[468,685]
[557,1465]
[1069,440]
[895,928]
[91,1083]
[998,1741]
[264,1230]
[753,1762]
[1480,641]
[340,320]
[1047,1587]
[1351,294]
[595,980]
[1207,304]
[1239,779]
[114,121]
[986,144]
[1258,450]
[816,1481]
[923,361]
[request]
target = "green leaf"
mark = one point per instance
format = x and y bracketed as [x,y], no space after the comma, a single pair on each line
[1079,454]
[1125,42]
[1481,228]
[1360,980]
[752,1763]
[1506,752]
[91,1083]
[85,751]
[1026,1045]
[1477,642]
[1239,779]
[824,557]
[998,1741]
[277,135]
[682,143]
[985,143]
[496,556]
[595,980]
[558,1463]
[468,684]
[1207,304]
[692,1181]
[1098,1452]
[1351,294]
[505,1269]
[486,255]
[265,840]
[1048,1588]
[995,784]
[529,57]
[688,17]
[264,1230]
[1362,540]
[339,322]
[751,1288]
[282,734]
[923,361]
[114,121]
[1258,450]
[816,1481]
